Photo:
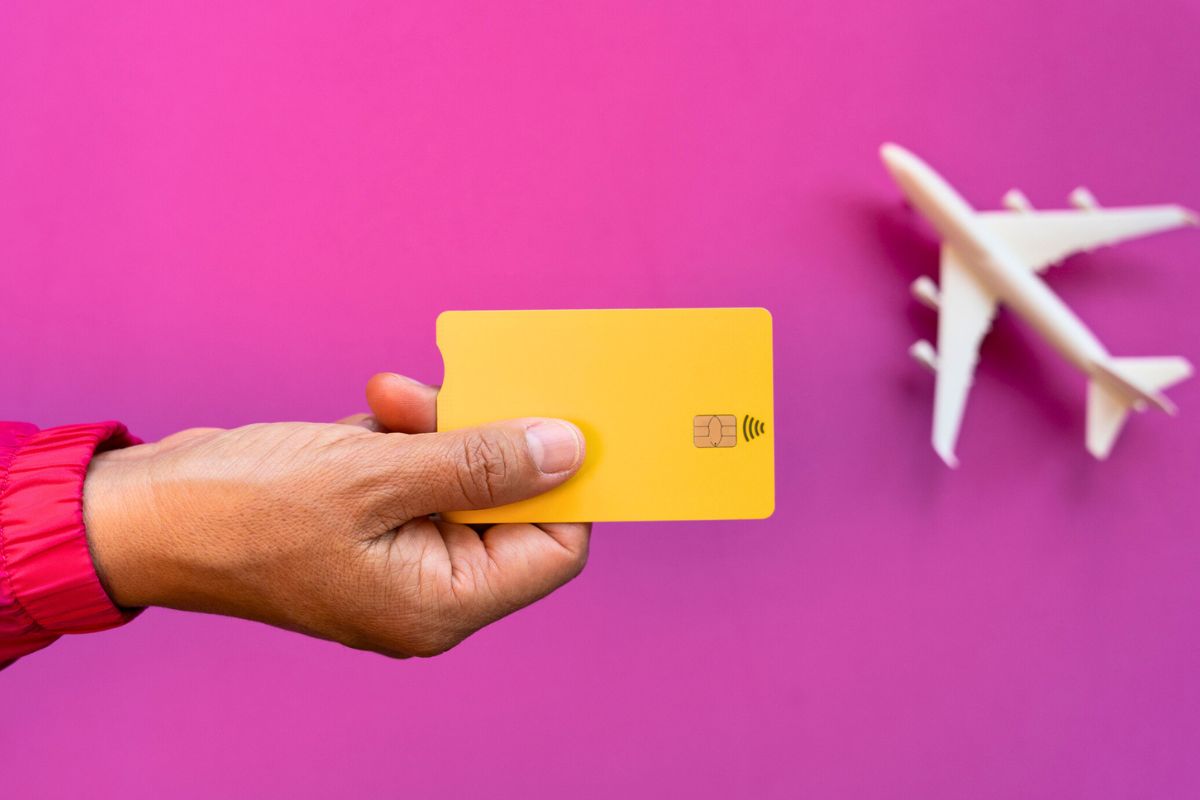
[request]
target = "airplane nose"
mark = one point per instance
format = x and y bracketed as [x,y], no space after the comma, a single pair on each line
[893,155]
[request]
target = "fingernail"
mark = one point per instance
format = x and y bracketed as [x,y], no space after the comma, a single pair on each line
[407,379]
[554,445]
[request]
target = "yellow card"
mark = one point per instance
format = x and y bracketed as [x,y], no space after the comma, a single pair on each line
[676,405]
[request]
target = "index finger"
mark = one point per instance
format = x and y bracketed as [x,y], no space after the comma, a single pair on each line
[401,404]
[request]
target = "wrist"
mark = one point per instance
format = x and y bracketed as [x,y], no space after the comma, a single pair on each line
[119,528]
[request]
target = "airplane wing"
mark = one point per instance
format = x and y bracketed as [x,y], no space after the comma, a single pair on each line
[966,310]
[1044,238]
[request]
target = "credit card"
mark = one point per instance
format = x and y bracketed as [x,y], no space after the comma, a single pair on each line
[676,405]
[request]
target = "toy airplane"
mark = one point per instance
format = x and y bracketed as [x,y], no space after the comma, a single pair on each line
[992,257]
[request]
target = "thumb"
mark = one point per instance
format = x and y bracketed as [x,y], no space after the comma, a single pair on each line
[483,467]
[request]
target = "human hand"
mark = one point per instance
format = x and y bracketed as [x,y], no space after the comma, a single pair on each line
[323,528]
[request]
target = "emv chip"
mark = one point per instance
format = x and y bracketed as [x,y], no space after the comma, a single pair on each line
[714,430]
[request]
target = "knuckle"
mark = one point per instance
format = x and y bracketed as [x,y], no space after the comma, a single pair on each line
[433,646]
[427,641]
[420,632]
[572,558]
[569,566]
[415,642]
[576,561]
[487,460]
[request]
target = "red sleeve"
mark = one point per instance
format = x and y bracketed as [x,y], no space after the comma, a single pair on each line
[48,585]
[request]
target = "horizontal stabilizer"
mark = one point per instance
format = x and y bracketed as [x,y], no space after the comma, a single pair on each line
[1124,384]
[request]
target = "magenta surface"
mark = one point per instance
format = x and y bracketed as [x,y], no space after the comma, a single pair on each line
[212,214]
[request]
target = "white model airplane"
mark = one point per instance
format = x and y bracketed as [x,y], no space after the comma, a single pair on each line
[992,257]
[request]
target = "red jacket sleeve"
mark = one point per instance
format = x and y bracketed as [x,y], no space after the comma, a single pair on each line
[48,585]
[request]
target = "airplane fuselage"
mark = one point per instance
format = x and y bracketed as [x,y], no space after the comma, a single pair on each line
[994,263]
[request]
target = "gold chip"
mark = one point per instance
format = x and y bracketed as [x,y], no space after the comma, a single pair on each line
[714,430]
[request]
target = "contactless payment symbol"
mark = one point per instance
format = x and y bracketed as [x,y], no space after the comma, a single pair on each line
[714,430]
[752,428]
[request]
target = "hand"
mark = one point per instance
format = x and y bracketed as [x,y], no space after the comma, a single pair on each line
[324,528]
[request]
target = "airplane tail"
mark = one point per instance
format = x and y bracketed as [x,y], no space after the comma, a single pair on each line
[1121,384]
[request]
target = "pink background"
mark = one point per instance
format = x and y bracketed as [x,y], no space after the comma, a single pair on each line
[218,216]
